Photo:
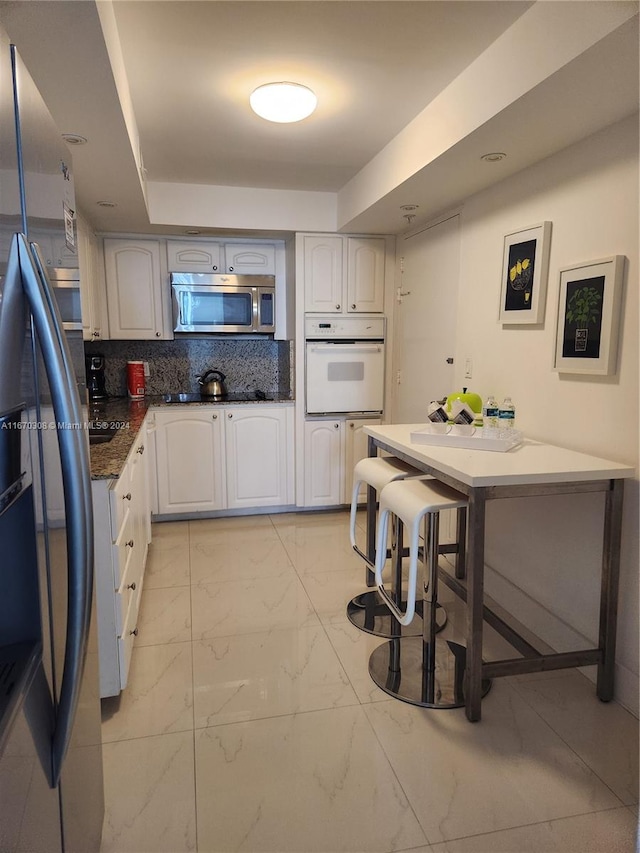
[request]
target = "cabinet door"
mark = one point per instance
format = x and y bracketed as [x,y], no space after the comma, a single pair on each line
[134,289]
[323,462]
[85,265]
[258,259]
[323,274]
[190,460]
[91,267]
[365,274]
[194,256]
[259,456]
[356,448]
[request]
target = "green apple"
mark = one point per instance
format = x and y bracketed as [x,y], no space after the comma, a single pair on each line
[474,401]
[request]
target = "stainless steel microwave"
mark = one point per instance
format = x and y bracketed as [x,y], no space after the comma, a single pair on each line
[234,304]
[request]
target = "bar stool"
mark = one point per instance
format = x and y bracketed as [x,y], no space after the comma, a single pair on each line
[368,611]
[422,670]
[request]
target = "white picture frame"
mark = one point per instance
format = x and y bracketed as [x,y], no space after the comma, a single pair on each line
[589,302]
[525,271]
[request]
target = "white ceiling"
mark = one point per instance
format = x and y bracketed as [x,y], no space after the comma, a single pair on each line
[190,67]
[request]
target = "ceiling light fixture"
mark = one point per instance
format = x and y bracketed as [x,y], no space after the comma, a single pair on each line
[107,204]
[74,138]
[191,231]
[493,157]
[283,102]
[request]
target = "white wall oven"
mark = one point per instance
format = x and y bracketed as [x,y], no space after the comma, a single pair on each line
[344,365]
[235,304]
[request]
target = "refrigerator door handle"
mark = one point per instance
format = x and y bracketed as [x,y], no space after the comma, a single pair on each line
[76,479]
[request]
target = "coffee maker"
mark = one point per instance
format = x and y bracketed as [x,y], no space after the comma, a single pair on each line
[96,385]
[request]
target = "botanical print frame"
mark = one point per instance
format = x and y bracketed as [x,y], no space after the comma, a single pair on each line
[589,316]
[525,270]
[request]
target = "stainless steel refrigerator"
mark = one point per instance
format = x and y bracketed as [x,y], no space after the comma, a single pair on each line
[51,788]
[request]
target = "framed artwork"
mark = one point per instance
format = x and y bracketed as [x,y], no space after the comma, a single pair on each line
[589,316]
[525,269]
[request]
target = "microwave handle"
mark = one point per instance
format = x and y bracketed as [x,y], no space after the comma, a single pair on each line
[175,307]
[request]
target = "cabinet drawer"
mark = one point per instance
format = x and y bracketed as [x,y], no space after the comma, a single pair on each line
[128,634]
[123,549]
[120,498]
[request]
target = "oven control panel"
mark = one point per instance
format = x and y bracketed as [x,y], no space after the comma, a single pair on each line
[358,328]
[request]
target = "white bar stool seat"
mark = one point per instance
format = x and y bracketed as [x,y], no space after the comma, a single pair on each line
[424,670]
[368,611]
[377,472]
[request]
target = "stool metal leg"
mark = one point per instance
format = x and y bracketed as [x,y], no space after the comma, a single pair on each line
[368,611]
[426,670]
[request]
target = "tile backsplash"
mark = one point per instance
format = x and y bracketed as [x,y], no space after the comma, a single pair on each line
[248,364]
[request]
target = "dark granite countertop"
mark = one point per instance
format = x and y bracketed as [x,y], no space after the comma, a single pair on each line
[107,460]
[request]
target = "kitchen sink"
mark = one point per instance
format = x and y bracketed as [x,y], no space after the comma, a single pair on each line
[103,433]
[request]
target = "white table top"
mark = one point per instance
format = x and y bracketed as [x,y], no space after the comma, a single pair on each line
[532,462]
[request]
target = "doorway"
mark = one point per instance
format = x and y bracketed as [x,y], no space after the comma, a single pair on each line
[425,319]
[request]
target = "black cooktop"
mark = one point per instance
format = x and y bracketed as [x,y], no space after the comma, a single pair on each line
[230,397]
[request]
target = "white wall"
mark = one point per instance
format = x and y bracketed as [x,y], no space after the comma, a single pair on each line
[590,193]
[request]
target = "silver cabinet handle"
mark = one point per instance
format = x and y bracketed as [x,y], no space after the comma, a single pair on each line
[353,306]
[230,269]
[127,497]
[229,415]
[336,426]
[338,307]
[215,417]
[157,334]
[131,585]
[134,632]
[129,543]
[215,267]
[140,450]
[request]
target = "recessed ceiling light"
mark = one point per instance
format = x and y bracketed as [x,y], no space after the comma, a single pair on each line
[283,102]
[74,138]
[107,204]
[493,157]
[408,208]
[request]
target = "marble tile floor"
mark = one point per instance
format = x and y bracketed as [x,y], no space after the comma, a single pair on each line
[250,722]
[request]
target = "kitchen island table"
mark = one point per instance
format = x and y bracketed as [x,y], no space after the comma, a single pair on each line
[532,469]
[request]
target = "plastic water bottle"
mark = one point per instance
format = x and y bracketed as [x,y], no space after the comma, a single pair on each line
[490,413]
[507,414]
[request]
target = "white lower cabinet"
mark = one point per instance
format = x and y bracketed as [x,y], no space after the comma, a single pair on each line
[223,457]
[189,460]
[122,531]
[356,448]
[259,456]
[323,462]
[331,449]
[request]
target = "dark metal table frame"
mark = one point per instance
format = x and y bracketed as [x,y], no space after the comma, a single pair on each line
[471,587]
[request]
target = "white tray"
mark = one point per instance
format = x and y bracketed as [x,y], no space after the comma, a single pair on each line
[476,440]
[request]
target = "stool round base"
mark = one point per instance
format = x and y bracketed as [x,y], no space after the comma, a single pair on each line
[397,667]
[369,613]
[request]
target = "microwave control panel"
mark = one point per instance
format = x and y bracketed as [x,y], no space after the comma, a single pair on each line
[359,328]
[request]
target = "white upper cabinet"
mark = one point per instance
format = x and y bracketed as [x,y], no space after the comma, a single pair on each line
[194,256]
[343,274]
[247,258]
[322,259]
[92,293]
[135,298]
[365,274]
[211,257]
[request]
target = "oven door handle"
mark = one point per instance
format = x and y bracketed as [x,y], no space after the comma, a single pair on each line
[350,348]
